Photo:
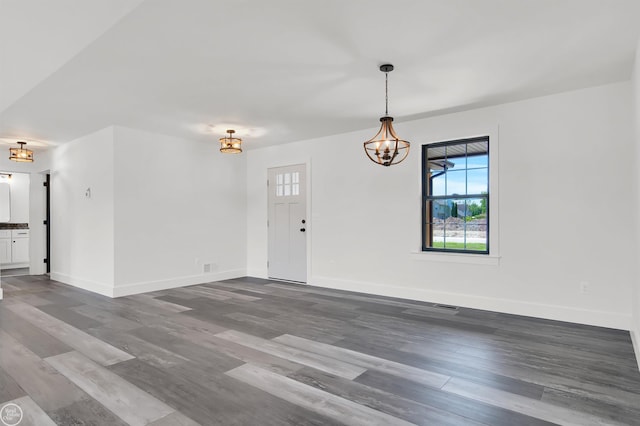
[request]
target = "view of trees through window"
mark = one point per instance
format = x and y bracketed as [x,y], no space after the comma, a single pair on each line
[456,196]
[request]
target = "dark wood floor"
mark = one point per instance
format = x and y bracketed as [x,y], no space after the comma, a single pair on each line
[254,352]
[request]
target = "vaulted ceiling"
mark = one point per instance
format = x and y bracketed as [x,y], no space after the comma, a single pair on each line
[286,70]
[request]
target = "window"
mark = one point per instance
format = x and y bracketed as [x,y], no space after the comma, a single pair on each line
[455,196]
[287,184]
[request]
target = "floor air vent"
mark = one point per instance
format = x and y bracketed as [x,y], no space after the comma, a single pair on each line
[447,307]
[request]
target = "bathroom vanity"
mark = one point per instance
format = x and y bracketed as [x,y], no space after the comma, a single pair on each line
[14,246]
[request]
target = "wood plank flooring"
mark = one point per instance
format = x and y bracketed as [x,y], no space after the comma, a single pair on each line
[257,352]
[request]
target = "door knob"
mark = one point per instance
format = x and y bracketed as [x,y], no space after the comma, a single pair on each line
[302,230]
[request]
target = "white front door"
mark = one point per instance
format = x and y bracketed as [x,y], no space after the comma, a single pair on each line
[288,223]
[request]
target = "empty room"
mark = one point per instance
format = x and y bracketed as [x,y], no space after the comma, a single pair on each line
[357,212]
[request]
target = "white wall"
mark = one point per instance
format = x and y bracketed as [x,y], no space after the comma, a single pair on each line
[82,234]
[178,205]
[160,209]
[564,165]
[635,79]
[19,194]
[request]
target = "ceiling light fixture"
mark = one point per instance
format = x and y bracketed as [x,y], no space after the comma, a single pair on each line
[230,145]
[386,148]
[21,154]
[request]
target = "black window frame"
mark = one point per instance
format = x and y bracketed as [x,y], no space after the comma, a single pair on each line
[427,197]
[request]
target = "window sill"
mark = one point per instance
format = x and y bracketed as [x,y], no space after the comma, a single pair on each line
[472,259]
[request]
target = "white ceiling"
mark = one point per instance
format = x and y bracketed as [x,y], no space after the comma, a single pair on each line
[37,37]
[286,70]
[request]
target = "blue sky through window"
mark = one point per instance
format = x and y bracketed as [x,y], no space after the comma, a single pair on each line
[461,180]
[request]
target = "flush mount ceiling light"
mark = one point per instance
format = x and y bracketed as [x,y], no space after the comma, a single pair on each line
[21,154]
[386,148]
[230,145]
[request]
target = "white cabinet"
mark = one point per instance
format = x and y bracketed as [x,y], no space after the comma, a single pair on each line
[20,250]
[14,246]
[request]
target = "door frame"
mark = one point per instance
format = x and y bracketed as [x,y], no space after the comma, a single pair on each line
[308,226]
[47,222]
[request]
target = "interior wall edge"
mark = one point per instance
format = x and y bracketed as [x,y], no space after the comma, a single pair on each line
[37,216]
[258,273]
[635,340]
[635,333]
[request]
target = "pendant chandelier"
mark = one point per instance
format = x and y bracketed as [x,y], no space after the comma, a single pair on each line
[230,145]
[386,148]
[21,154]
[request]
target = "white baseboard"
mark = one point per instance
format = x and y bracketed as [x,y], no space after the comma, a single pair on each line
[145,287]
[104,289]
[0,293]
[15,265]
[516,307]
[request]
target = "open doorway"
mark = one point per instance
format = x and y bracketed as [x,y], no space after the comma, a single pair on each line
[14,224]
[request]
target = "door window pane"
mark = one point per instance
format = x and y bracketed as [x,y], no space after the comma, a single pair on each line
[287,184]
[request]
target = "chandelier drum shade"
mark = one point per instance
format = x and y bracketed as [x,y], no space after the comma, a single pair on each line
[21,154]
[386,148]
[229,144]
